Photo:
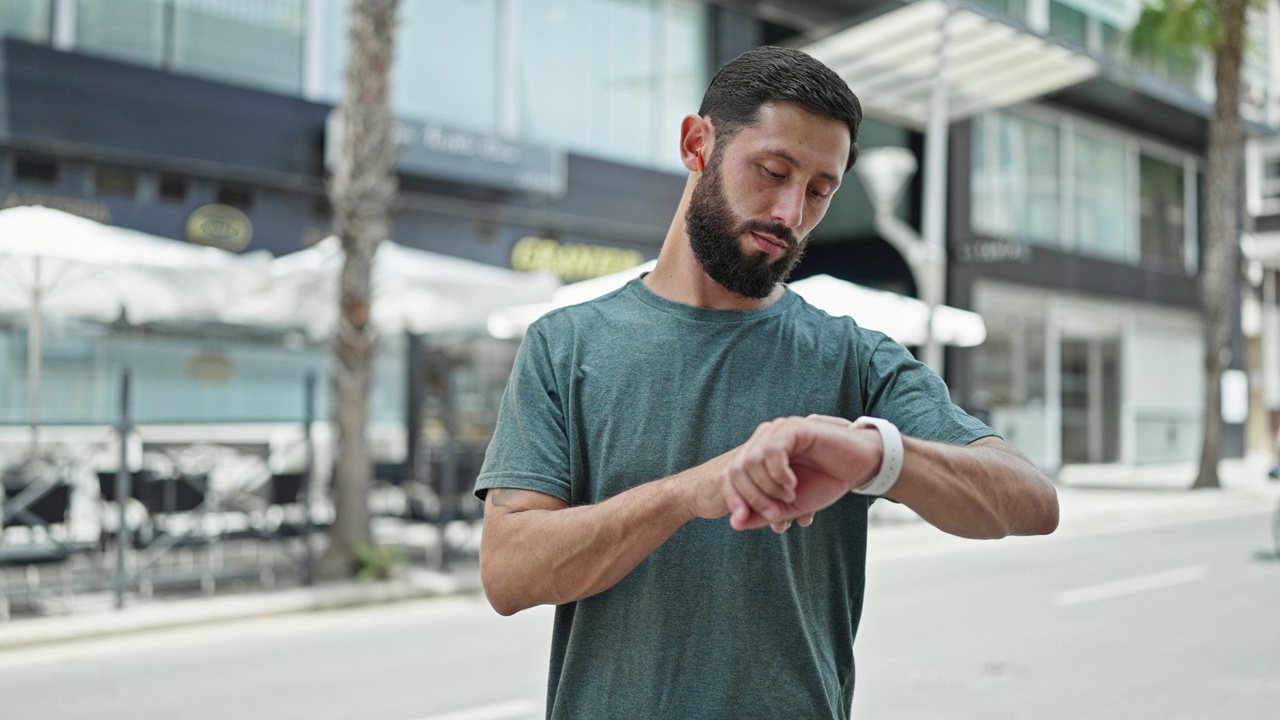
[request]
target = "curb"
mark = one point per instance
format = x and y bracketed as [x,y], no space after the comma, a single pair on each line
[158,615]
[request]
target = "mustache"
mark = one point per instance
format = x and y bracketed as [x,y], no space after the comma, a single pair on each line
[778,230]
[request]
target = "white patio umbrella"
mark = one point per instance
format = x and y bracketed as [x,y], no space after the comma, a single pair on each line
[413,291]
[55,263]
[902,318]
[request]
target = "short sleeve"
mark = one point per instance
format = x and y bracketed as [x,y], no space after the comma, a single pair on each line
[907,393]
[529,449]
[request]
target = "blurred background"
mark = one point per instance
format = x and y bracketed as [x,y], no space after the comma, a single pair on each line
[1032,215]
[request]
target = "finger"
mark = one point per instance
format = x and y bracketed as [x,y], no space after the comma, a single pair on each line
[741,516]
[805,520]
[831,420]
[778,479]
[780,527]
[746,481]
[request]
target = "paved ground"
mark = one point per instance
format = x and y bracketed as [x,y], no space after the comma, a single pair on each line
[1093,500]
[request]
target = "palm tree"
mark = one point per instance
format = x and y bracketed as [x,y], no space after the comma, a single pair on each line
[361,193]
[1174,31]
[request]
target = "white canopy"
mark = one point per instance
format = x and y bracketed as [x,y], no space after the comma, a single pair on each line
[61,264]
[52,262]
[413,291]
[902,318]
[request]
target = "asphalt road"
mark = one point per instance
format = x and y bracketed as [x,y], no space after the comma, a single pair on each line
[1174,621]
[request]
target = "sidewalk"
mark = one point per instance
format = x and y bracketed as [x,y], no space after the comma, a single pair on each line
[1091,498]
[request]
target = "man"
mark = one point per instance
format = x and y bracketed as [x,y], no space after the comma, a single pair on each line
[633,424]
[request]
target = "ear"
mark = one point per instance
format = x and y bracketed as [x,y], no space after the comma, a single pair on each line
[696,139]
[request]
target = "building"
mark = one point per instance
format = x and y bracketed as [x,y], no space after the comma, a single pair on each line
[543,135]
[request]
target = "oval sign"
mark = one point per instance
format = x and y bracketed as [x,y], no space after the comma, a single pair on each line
[220,226]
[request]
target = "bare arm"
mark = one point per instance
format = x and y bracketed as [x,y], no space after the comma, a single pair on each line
[537,550]
[986,489]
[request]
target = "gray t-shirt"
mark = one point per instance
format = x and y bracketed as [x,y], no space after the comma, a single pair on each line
[715,623]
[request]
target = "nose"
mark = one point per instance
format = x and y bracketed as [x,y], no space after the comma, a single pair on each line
[788,208]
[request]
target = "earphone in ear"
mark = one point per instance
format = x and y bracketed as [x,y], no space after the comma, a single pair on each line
[697,155]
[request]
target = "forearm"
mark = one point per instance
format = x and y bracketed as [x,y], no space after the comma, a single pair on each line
[982,490]
[554,556]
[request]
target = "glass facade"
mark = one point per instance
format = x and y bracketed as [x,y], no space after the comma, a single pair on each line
[258,44]
[1102,213]
[179,378]
[610,78]
[1065,185]
[1016,184]
[26,19]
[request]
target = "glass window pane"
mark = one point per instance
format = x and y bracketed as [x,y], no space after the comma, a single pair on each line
[25,19]
[556,78]
[1015,179]
[1067,23]
[446,63]
[257,44]
[1163,213]
[131,30]
[1102,213]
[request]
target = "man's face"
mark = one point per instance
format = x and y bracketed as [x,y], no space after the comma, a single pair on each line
[761,194]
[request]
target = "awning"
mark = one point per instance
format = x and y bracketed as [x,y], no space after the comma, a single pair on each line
[891,62]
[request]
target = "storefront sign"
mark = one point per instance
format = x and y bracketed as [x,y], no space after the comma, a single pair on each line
[84,208]
[220,226]
[569,261]
[432,151]
[988,251]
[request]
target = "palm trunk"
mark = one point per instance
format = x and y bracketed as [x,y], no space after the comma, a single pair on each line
[1222,235]
[361,194]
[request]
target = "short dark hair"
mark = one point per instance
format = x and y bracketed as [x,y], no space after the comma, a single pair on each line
[766,75]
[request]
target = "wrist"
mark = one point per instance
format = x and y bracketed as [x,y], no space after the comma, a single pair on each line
[891,456]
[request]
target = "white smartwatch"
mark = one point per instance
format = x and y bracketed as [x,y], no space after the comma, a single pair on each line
[891,464]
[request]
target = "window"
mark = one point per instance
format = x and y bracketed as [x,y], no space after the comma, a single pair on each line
[611,78]
[26,20]
[35,168]
[236,195]
[1163,215]
[1102,214]
[115,180]
[172,188]
[1068,23]
[1068,185]
[130,30]
[251,43]
[1015,179]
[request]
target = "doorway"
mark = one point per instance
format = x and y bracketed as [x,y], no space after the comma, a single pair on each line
[1091,395]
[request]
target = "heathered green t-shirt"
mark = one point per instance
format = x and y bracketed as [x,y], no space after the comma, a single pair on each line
[716,623]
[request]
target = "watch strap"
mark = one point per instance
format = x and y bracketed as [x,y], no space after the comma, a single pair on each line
[891,461]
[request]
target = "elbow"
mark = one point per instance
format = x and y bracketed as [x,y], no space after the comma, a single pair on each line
[497,592]
[1042,518]
[1049,516]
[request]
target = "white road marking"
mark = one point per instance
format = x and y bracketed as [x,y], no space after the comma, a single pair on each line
[1131,586]
[499,711]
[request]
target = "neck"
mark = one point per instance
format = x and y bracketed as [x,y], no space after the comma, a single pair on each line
[678,276]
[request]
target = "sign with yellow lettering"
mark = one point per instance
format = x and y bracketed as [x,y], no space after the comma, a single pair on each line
[571,261]
[220,226]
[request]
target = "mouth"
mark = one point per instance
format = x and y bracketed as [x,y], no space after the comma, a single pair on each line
[769,244]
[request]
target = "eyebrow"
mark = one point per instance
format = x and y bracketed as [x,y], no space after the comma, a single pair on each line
[790,159]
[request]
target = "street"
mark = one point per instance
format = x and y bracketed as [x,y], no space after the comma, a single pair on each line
[1174,620]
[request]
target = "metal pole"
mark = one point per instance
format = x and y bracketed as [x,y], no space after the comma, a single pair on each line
[309,475]
[934,272]
[123,481]
[35,356]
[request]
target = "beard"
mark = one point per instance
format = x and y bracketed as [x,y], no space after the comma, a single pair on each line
[714,232]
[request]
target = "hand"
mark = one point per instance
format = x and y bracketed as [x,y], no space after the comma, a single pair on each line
[793,467]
